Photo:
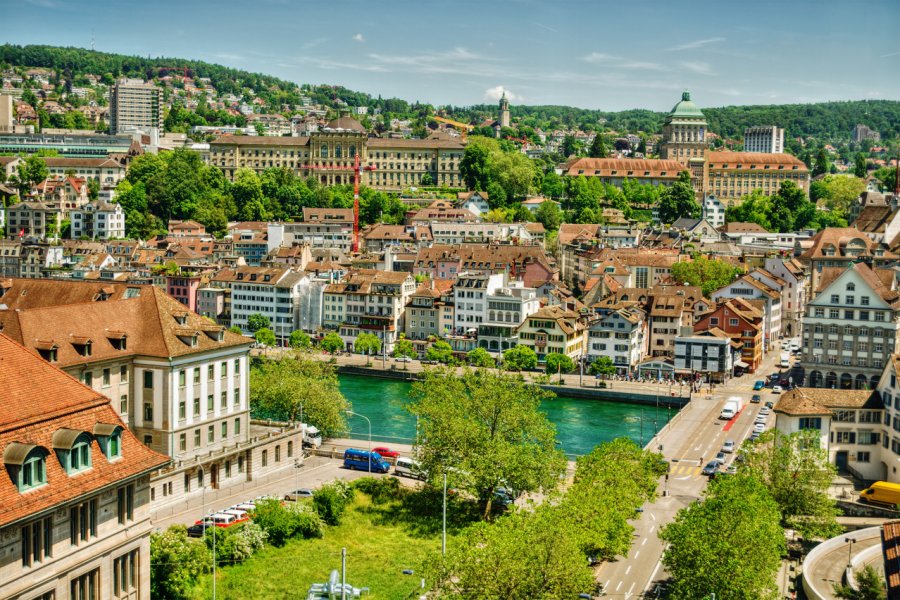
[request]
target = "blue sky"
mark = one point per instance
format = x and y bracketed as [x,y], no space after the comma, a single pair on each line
[610,55]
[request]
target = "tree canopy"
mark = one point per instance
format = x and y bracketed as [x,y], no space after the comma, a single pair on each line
[678,200]
[331,343]
[787,210]
[519,358]
[706,273]
[505,174]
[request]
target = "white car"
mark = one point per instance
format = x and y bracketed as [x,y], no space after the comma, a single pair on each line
[765,410]
[760,419]
[403,359]
[777,389]
[728,446]
[759,427]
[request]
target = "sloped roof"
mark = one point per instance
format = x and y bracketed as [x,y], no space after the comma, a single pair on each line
[822,401]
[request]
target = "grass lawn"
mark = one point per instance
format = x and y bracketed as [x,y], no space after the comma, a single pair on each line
[381,541]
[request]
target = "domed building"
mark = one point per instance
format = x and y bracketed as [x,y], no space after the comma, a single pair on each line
[684,139]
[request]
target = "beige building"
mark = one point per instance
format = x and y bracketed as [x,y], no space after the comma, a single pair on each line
[33,219]
[135,106]
[329,155]
[75,520]
[684,140]
[733,175]
[554,329]
[107,171]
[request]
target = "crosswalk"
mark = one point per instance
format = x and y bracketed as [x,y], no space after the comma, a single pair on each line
[682,469]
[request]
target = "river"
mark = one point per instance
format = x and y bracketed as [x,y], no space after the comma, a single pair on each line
[580,424]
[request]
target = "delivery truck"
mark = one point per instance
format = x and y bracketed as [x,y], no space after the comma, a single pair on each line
[881,492]
[732,407]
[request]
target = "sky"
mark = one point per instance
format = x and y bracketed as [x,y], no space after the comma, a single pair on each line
[609,55]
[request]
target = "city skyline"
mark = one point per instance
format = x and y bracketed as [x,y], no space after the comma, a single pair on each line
[610,58]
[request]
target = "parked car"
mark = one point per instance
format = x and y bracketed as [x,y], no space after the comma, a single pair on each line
[711,468]
[760,384]
[728,446]
[777,389]
[386,452]
[245,506]
[409,467]
[760,419]
[770,404]
[753,437]
[199,528]
[732,469]
[765,410]
[759,427]
[756,399]
[297,494]
[403,359]
[720,458]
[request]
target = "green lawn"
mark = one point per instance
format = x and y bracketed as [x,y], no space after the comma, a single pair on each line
[381,541]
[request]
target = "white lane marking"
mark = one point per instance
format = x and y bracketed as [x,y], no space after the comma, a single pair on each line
[644,541]
[630,590]
[618,585]
[653,575]
[652,517]
[606,585]
[636,554]
[628,570]
[652,528]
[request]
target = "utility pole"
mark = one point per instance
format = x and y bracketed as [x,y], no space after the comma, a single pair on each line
[444,525]
[343,573]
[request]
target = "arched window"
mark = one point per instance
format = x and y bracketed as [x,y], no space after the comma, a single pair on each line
[338,153]
[351,151]
[324,151]
[26,465]
[73,449]
[109,436]
[851,286]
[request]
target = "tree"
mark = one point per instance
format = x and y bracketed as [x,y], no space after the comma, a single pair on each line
[678,200]
[473,167]
[440,351]
[552,185]
[870,583]
[291,389]
[838,192]
[282,522]
[300,340]
[598,147]
[176,562]
[30,172]
[549,215]
[403,348]
[730,544]
[822,166]
[427,180]
[368,344]
[331,343]
[256,321]
[519,358]
[485,430]
[236,329]
[569,146]
[603,366]
[479,357]
[796,471]
[859,166]
[265,336]
[708,274]
[556,362]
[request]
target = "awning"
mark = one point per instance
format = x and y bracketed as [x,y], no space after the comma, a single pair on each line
[741,364]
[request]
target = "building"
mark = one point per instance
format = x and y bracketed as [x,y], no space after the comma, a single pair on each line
[554,329]
[713,211]
[135,106]
[76,495]
[526,263]
[850,329]
[33,219]
[793,292]
[470,294]
[684,140]
[504,111]
[423,314]
[106,171]
[621,334]
[767,138]
[743,323]
[323,228]
[444,232]
[98,220]
[710,353]
[864,132]
[757,288]
[507,309]
[180,382]
[7,124]
[839,247]
[733,175]
[616,170]
[475,202]
[329,155]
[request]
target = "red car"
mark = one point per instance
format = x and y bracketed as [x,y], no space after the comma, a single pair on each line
[386,452]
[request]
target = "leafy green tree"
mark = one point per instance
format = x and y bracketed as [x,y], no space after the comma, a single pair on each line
[236,329]
[485,430]
[556,362]
[838,192]
[569,146]
[440,351]
[282,522]
[730,544]
[479,357]
[796,470]
[289,389]
[519,358]
[331,343]
[754,208]
[31,172]
[552,185]
[300,340]
[368,344]
[331,500]
[549,215]
[235,544]
[822,165]
[265,336]
[678,200]
[859,166]
[870,583]
[474,165]
[257,321]
[403,348]
[603,366]
[176,563]
[598,147]
[708,274]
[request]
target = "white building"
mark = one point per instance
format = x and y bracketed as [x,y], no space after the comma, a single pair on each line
[750,288]
[322,228]
[107,171]
[485,233]
[709,352]
[621,334]
[507,308]
[98,220]
[470,297]
[793,296]
[713,211]
[768,139]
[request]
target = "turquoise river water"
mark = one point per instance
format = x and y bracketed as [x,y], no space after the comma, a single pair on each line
[580,423]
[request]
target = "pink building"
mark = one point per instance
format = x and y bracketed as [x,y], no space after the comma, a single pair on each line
[183,287]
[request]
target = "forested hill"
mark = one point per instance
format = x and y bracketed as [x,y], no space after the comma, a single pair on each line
[824,120]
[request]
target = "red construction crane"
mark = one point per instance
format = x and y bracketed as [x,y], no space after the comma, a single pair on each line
[184,70]
[524,141]
[356,169]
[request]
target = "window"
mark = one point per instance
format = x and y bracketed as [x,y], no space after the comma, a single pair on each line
[182,442]
[733,322]
[197,438]
[196,407]
[849,314]
[209,373]
[210,434]
[86,587]
[265,458]
[835,298]
[37,541]
[278,453]
[148,380]
[850,300]
[845,416]
[125,575]
[83,522]
[182,379]
[864,300]
[148,440]
[88,378]
[123,374]
[834,313]
[224,402]
[863,457]
[846,437]
[224,429]
[196,376]
[237,367]
[237,426]
[111,444]
[867,438]
[290,449]
[148,411]
[879,316]
[863,315]
[209,403]
[810,423]
[106,377]
[125,499]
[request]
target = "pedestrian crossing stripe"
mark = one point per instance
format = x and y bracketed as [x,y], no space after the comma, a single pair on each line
[676,469]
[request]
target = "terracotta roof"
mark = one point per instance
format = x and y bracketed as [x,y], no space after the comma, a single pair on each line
[874,219]
[626,167]
[387,143]
[39,401]
[759,160]
[840,238]
[890,550]
[327,215]
[259,140]
[822,401]
[737,227]
[65,161]
[566,320]
[346,123]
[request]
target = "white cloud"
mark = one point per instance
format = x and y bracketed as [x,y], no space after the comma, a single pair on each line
[359,38]
[596,57]
[642,66]
[495,93]
[696,44]
[547,27]
[700,68]
[313,43]
[889,55]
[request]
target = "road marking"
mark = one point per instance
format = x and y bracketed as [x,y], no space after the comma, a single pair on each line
[606,585]
[653,574]
[618,585]
[644,542]
[630,590]
[628,570]
[652,517]
[636,554]
[652,528]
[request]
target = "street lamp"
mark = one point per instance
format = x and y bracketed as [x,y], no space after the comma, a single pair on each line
[850,550]
[350,412]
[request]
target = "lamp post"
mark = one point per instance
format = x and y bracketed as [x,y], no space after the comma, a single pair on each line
[850,550]
[350,412]
[444,520]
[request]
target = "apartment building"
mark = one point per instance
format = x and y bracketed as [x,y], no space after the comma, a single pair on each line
[135,105]
[368,301]
[839,247]
[709,352]
[850,329]
[616,170]
[507,308]
[177,380]
[106,171]
[470,294]
[76,500]
[621,334]
[423,314]
[743,323]
[323,228]
[667,313]
[33,219]
[526,263]
[752,289]
[443,232]
[554,329]
[793,292]
[767,138]
[98,220]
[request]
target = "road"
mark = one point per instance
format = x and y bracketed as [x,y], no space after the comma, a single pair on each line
[691,441]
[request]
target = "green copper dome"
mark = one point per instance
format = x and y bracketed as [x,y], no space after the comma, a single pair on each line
[686,108]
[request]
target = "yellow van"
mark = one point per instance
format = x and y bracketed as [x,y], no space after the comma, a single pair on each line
[881,492]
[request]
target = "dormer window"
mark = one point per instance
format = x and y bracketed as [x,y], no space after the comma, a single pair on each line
[117,339]
[82,345]
[26,465]
[73,449]
[180,318]
[47,350]
[109,436]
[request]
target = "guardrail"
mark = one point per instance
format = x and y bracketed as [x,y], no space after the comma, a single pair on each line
[810,585]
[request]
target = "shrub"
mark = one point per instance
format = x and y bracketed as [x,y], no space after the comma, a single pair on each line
[235,544]
[381,489]
[331,500]
[176,562]
[281,523]
[308,522]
